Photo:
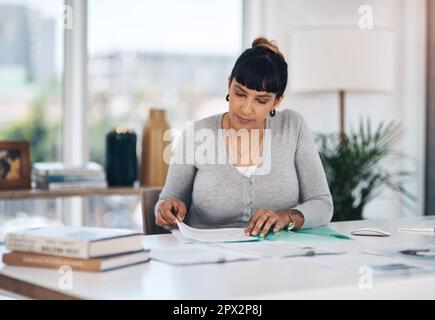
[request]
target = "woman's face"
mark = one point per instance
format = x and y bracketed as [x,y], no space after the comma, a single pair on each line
[249,108]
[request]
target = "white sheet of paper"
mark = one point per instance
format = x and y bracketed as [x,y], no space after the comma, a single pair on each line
[196,254]
[214,235]
[277,249]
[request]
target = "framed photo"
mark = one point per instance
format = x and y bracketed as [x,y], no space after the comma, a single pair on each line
[15,168]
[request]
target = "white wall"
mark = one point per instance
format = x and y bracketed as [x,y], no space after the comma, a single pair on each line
[276,19]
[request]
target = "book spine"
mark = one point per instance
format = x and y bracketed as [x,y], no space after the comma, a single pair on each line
[81,185]
[52,262]
[88,173]
[51,179]
[49,246]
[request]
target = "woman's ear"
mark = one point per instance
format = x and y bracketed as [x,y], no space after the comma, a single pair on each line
[277,103]
[229,82]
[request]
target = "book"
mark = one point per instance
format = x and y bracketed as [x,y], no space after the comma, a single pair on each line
[57,168]
[72,185]
[74,242]
[107,263]
[67,178]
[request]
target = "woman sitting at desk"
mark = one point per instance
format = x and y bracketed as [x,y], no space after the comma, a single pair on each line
[271,177]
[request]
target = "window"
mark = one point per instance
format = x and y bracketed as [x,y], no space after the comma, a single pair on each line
[169,54]
[31,50]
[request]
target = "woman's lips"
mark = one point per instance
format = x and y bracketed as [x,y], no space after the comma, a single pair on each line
[242,120]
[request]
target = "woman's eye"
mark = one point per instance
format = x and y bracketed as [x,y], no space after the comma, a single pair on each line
[239,94]
[262,102]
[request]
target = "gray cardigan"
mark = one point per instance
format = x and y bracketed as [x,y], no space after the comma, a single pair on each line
[217,195]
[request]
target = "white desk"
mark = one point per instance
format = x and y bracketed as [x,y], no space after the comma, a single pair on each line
[262,279]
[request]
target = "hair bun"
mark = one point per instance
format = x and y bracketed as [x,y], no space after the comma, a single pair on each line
[267,44]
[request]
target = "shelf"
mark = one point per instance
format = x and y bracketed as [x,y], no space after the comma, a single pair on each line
[48,194]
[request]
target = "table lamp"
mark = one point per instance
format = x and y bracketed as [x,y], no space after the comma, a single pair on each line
[342,60]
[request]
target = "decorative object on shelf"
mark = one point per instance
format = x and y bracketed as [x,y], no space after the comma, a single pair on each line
[153,167]
[15,171]
[356,168]
[121,157]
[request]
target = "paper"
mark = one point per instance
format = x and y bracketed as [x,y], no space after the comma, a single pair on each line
[376,265]
[214,235]
[276,249]
[196,254]
[423,255]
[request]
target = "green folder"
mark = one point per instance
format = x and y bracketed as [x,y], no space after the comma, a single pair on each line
[311,234]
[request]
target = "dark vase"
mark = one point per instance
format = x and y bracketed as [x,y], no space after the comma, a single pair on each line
[121,158]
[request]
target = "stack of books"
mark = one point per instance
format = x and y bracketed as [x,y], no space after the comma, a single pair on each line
[81,248]
[56,176]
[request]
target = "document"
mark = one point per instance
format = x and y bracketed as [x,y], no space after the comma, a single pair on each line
[189,254]
[277,249]
[200,253]
[212,235]
[375,264]
[422,255]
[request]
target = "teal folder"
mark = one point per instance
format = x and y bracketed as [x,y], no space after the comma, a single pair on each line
[311,234]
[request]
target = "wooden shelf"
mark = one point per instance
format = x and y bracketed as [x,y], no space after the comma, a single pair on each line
[49,194]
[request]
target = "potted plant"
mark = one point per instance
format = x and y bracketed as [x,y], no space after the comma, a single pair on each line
[356,167]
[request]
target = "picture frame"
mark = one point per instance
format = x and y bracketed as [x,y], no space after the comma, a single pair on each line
[15,166]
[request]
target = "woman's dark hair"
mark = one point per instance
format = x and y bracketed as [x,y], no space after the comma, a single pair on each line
[262,68]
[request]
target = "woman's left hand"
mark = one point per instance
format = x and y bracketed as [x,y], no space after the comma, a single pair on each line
[264,220]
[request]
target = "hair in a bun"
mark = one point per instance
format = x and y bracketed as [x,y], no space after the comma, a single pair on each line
[267,44]
[262,68]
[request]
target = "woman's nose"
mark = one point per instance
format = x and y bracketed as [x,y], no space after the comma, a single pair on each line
[247,108]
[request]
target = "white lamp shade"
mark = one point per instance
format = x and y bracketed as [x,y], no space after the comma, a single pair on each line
[342,59]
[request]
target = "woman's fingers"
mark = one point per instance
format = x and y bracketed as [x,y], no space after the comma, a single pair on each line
[264,221]
[161,221]
[259,224]
[170,211]
[253,221]
[167,213]
[181,210]
[278,226]
[269,223]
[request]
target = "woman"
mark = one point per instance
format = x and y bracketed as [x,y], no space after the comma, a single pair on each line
[282,185]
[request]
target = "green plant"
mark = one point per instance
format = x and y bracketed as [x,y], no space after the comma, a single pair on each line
[356,167]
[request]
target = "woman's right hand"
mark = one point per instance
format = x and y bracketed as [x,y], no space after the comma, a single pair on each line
[170,211]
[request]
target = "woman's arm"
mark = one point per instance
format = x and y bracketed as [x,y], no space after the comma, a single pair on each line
[180,178]
[315,201]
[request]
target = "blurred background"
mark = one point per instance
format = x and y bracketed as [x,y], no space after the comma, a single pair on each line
[72,70]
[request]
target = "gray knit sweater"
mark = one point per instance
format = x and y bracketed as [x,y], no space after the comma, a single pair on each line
[217,195]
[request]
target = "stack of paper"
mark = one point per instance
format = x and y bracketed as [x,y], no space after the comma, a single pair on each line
[211,235]
[226,245]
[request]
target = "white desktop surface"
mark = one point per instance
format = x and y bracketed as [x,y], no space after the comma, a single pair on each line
[290,278]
